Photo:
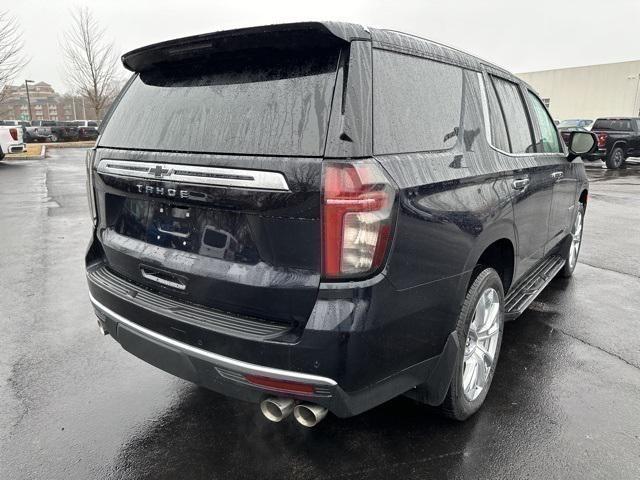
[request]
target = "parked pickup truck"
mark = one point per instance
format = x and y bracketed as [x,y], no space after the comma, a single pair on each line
[618,138]
[87,129]
[36,134]
[10,140]
[60,131]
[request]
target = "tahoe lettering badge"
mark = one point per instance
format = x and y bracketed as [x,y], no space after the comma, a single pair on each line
[168,192]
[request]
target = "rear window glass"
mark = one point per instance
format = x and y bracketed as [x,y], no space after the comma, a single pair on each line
[620,124]
[416,103]
[250,104]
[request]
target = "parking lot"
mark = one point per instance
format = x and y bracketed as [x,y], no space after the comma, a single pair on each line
[565,402]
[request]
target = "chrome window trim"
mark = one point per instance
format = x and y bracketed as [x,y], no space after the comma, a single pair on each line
[194,174]
[484,100]
[216,359]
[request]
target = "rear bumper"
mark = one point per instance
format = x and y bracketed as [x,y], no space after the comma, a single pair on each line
[597,155]
[349,372]
[17,148]
[228,375]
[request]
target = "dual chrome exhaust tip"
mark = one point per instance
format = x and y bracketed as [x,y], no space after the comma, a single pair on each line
[277,409]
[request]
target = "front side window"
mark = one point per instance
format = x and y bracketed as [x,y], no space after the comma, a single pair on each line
[548,141]
[515,115]
[417,103]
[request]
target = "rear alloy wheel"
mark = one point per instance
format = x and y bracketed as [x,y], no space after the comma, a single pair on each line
[573,249]
[54,138]
[616,158]
[480,334]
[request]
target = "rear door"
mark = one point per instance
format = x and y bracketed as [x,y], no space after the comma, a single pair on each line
[531,184]
[564,174]
[208,181]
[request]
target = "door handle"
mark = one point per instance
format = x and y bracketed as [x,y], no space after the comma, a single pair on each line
[520,184]
[557,175]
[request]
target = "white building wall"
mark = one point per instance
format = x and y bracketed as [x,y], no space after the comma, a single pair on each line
[589,92]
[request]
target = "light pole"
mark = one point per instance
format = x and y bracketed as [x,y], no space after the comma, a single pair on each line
[635,98]
[26,86]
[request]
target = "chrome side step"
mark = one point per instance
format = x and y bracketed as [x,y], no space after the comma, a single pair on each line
[530,287]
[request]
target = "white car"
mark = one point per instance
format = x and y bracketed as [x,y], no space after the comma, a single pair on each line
[11,140]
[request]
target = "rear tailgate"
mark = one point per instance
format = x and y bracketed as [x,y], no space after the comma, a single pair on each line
[208,181]
[250,249]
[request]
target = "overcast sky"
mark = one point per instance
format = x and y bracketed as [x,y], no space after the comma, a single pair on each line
[516,34]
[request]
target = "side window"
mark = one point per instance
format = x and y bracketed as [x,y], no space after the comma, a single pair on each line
[515,115]
[499,137]
[417,103]
[548,141]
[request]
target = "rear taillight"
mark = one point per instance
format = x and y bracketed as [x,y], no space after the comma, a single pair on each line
[602,140]
[14,133]
[357,217]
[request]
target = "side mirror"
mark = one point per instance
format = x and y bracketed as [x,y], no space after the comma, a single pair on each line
[581,143]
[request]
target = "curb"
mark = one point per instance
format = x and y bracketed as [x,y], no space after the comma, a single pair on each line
[83,144]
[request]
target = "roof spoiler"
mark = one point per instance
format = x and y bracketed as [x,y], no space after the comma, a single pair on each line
[284,36]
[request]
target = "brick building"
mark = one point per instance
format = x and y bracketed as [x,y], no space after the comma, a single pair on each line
[46,104]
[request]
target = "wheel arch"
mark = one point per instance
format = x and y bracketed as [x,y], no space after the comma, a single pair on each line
[496,248]
[619,143]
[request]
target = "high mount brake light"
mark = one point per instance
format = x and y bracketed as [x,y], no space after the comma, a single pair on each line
[357,216]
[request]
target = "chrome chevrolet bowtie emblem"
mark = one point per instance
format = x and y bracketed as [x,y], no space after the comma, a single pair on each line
[158,171]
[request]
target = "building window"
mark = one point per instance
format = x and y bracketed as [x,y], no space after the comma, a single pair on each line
[546,102]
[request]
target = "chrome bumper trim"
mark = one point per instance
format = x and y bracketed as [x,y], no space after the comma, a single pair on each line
[218,360]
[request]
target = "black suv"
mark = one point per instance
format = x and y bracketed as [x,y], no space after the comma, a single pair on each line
[320,216]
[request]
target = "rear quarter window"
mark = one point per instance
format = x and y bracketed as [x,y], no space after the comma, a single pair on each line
[417,103]
[515,115]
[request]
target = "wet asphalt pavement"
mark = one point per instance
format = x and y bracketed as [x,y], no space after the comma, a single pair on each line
[565,400]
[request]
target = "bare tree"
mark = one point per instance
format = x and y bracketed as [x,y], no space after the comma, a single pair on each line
[11,57]
[90,60]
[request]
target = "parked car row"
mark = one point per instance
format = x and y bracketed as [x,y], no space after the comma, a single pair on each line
[55,131]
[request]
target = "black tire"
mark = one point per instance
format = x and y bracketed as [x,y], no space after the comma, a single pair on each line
[456,404]
[1,154]
[616,158]
[569,266]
